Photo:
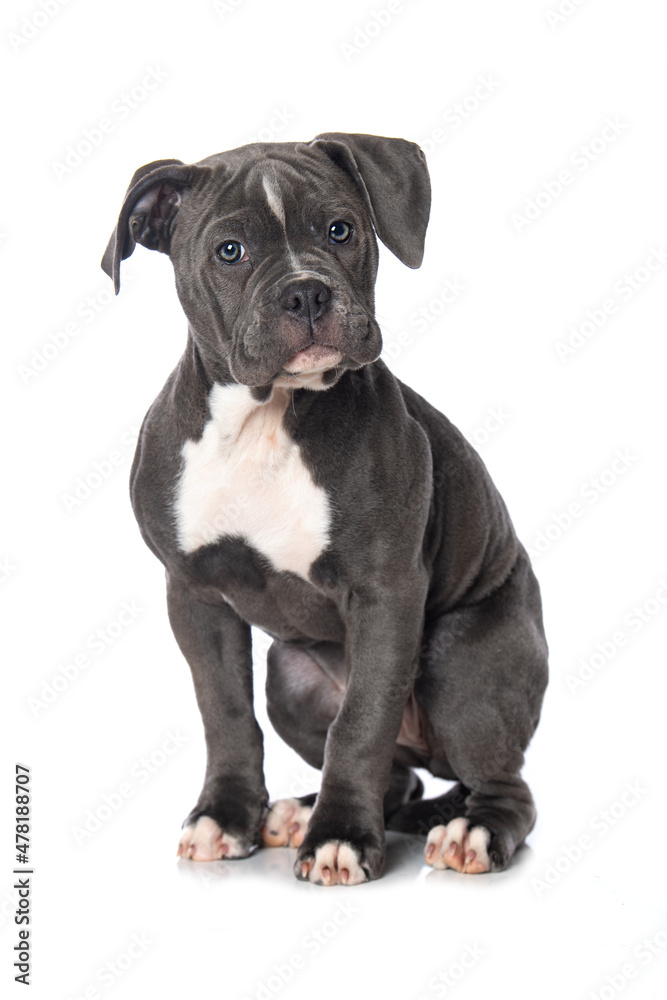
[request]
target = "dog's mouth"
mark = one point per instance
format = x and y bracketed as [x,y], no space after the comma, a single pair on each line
[307,368]
[312,360]
[322,357]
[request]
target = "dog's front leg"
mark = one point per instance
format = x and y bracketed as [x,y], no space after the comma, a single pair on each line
[226,820]
[345,840]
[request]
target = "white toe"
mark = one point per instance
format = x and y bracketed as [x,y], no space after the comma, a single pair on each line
[285,823]
[205,841]
[337,863]
[456,846]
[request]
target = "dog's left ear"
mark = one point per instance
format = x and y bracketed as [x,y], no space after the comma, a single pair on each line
[148,212]
[393,178]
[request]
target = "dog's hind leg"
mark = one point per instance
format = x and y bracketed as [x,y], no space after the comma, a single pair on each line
[480,689]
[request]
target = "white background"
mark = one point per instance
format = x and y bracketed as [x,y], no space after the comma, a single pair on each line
[552,925]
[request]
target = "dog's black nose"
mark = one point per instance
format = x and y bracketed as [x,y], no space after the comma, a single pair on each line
[307,299]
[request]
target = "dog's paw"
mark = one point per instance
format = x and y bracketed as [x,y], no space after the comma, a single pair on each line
[285,823]
[456,846]
[205,841]
[334,863]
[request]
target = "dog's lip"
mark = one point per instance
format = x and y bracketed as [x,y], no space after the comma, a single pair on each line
[312,359]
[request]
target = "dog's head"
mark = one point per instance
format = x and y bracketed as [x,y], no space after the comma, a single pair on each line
[274,249]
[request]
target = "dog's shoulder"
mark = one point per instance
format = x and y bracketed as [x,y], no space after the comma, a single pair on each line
[454,457]
[465,505]
[179,413]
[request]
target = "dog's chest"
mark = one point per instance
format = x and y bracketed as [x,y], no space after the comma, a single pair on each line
[246,478]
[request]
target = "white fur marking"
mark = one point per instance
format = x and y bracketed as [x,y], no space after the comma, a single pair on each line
[337,863]
[312,381]
[205,841]
[275,202]
[273,198]
[456,833]
[478,841]
[245,477]
[285,823]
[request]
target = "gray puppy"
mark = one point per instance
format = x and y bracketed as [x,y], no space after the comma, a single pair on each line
[288,480]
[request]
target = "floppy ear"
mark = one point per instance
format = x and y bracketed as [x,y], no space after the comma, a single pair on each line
[393,178]
[148,211]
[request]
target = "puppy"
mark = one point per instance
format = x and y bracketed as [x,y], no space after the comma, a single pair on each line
[286,479]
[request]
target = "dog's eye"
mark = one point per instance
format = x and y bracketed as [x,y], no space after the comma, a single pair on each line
[339,232]
[231,252]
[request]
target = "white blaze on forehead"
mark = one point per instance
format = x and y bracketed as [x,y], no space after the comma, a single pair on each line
[277,206]
[273,197]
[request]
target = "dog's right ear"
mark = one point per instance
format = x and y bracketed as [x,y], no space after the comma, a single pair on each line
[148,211]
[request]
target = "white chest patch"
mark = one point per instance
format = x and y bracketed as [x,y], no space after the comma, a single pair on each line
[245,477]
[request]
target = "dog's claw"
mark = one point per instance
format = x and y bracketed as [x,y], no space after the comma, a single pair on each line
[456,846]
[205,841]
[335,863]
